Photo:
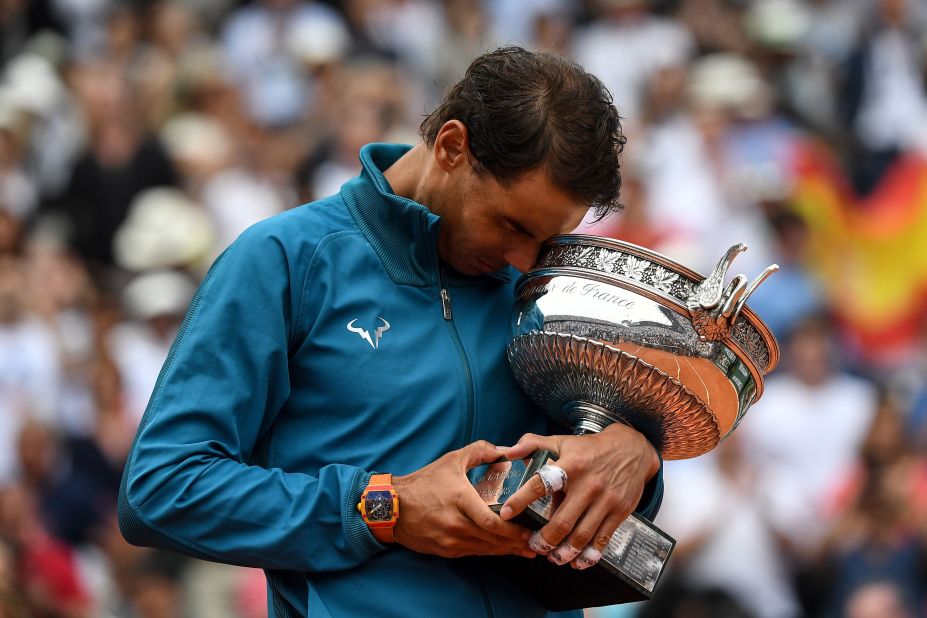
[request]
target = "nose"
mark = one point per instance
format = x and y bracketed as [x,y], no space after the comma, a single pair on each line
[522,256]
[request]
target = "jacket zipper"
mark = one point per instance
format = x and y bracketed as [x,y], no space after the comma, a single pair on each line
[446,304]
[455,337]
[468,424]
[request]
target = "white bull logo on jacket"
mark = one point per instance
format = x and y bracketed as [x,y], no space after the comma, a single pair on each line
[365,334]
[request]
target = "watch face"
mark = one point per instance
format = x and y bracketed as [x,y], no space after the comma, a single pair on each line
[379,506]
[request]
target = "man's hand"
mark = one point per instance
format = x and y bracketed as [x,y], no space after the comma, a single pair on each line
[606,475]
[442,514]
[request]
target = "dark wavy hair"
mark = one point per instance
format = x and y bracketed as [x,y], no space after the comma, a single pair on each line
[525,110]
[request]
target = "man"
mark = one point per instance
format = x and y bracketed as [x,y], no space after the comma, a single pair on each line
[365,333]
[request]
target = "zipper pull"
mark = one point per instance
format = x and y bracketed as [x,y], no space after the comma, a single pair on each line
[446,304]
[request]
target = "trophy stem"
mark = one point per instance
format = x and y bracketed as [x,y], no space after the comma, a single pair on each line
[587,417]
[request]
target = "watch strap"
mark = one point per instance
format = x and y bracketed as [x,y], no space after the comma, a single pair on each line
[381,479]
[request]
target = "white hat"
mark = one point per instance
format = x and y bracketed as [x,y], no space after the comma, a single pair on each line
[164,228]
[777,24]
[32,85]
[318,41]
[727,81]
[197,138]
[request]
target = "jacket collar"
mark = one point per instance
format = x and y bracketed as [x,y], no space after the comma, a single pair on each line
[402,232]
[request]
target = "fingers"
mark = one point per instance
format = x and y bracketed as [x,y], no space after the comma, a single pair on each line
[587,558]
[576,536]
[563,553]
[487,526]
[539,544]
[486,545]
[585,546]
[530,442]
[580,535]
[443,513]
[532,490]
[462,537]
[549,540]
[553,477]
[485,519]
[493,545]
[592,552]
[481,452]
[496,537]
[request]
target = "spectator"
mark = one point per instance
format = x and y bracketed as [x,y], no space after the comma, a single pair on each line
[122,160]
[798,471]
[256,42]
[885,98]
[717,513]
[30,368]
[644,42]
[793,294]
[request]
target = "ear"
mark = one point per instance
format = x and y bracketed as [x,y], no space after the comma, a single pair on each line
[452,146]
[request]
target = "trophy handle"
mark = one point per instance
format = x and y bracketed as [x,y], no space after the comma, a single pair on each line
[714,308]
[750,289]
[734,292]
[708,294]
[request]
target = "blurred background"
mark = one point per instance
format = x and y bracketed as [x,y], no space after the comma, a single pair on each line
[138,139]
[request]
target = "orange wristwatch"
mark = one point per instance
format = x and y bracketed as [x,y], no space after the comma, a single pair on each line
[379,506]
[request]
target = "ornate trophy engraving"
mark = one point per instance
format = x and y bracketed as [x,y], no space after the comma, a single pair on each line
[604,332]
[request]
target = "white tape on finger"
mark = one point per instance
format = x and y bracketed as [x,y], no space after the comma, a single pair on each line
[587,558]
[539,545]
[563,554]
[553,477]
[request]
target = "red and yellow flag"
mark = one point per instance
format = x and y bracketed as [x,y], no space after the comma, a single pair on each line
[871,253]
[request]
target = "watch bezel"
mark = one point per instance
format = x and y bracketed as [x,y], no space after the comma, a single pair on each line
[382,496]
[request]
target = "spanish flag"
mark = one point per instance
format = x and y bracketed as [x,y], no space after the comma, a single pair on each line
[870,253]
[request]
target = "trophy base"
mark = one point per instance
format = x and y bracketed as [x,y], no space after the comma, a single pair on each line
[631,565]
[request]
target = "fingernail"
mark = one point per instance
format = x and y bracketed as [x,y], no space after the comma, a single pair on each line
[538,544]
[503,449]
[506,512]
[563,554]
[587,558]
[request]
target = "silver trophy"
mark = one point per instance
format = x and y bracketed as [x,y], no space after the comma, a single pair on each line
[606,331]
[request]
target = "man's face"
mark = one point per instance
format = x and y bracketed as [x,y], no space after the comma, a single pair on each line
[490,224]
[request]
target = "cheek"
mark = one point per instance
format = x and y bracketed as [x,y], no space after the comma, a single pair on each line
[480,231]
[495,241]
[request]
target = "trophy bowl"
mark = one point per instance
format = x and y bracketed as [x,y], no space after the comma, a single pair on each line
[606,331]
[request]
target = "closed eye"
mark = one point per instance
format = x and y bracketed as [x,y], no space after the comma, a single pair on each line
[518,228]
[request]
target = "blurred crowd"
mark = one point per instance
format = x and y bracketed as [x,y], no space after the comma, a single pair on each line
[139,138]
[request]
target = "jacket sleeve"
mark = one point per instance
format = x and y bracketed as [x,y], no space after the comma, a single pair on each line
[652,498]
[189,484]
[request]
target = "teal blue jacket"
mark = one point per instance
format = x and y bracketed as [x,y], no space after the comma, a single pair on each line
[285,390]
